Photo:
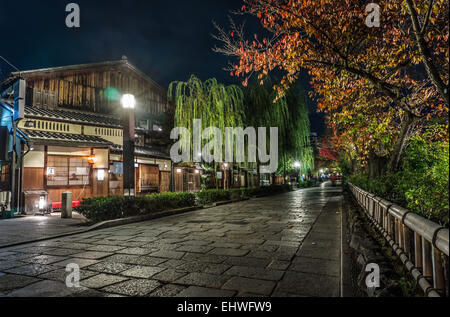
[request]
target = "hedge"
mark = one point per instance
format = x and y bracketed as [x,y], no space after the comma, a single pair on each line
[306,184]
[115,207]
[209,196]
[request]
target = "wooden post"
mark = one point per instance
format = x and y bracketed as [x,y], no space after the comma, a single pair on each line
[438,271]
[427,259]
[418,251]
[396,233]
[406,245]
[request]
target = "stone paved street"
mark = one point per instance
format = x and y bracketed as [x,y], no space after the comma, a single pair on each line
[31,228]
[284,245]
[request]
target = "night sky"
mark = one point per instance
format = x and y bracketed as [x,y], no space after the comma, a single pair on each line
[168,40]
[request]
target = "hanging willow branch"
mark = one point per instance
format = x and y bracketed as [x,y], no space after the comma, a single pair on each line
[289,114]
[215,104]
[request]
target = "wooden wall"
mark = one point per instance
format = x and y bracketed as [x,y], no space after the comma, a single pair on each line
[146,175]
[33,178]
[165,182]
[87,89]
[100,188]
[187,180]
[78,193]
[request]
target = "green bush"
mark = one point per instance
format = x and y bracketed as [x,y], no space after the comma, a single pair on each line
[306,184]
[421,184]
[272,189]
[164,201]
[115,207]
[209,196]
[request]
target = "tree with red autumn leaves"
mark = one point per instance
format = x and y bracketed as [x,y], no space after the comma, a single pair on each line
[387,79]
[328,150]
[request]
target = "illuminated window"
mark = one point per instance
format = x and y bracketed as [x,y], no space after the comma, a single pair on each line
[67,171]
[5,174]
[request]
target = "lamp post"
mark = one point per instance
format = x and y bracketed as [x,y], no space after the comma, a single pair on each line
[225,178]
[128,103]
[297,167]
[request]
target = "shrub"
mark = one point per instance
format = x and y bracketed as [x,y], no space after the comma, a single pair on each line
[164,201]
[272,189]
[421,184]
[115,207]
[209,196]
[306,184]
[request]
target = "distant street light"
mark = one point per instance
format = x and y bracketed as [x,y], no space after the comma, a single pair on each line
[128,104]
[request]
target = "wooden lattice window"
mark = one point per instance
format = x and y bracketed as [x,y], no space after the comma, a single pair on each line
[67,171]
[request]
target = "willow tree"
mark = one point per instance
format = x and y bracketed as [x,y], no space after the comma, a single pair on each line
[215,104]
[296,131]
[290,115]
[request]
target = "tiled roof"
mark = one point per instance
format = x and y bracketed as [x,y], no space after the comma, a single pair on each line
[73,116]
[65,138]
[146,151]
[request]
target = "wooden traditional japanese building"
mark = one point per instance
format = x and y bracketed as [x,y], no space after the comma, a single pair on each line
[72,132]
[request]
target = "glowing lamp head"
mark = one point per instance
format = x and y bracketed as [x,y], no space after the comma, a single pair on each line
[128,101]
[296,164]
[42,202]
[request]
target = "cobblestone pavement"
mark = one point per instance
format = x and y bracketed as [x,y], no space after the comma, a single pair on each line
[284,245]
[29,228]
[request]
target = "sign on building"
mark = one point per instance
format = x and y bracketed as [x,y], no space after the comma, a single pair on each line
[19,99]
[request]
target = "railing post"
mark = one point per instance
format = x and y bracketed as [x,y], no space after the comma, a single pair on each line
[398,237]
[392,224]
[427,260]
[406,246]
[438,271]
[418,251]
[381,217]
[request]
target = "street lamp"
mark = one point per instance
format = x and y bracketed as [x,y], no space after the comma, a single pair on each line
[297,166]
[225,173]
[128,103]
